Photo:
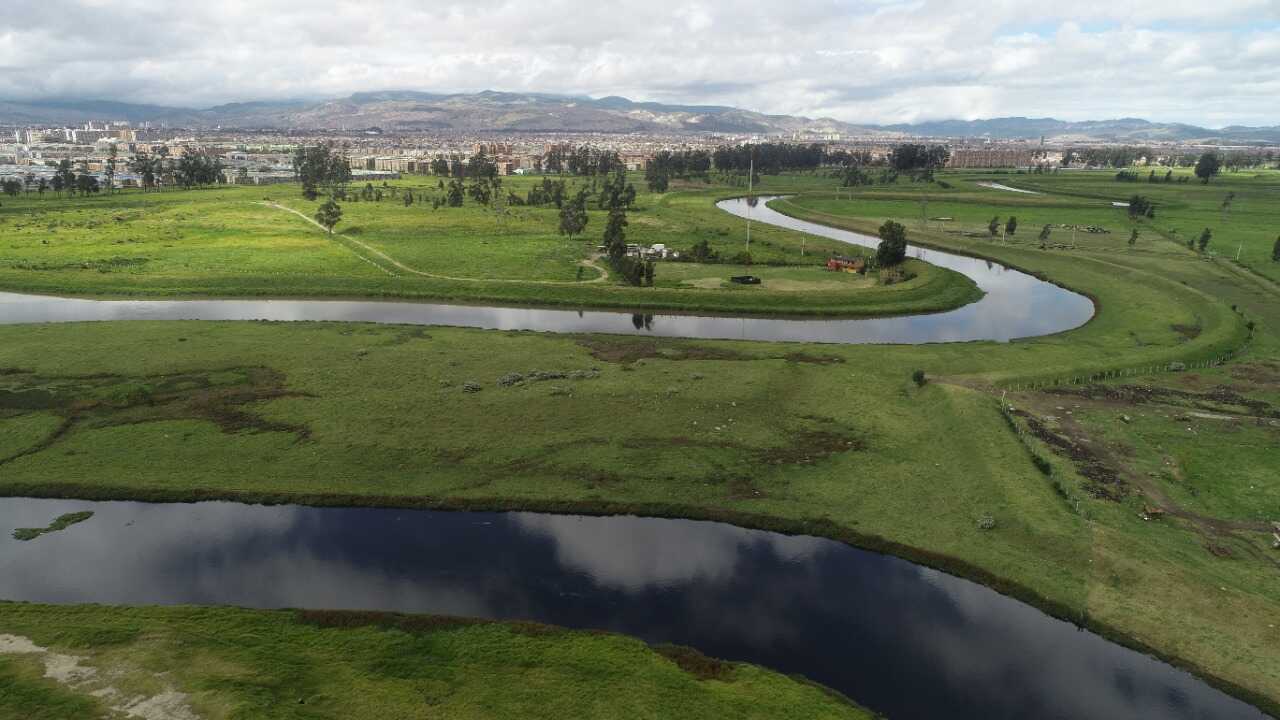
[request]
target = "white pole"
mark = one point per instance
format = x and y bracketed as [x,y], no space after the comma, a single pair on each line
[751,176]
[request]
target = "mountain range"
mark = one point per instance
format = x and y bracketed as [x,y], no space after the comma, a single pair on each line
[408,112]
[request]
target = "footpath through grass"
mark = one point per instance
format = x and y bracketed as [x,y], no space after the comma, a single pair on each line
[83,662]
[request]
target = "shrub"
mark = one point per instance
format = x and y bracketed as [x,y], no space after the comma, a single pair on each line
[918,377]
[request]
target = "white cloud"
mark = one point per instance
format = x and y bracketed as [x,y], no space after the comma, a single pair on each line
[868,61]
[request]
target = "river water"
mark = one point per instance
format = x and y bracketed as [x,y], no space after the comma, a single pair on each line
[904,640]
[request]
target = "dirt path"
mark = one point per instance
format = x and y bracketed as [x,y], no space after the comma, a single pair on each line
[385,258]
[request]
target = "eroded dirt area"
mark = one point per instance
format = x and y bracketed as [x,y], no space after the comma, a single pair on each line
[74,673]
[1110,467]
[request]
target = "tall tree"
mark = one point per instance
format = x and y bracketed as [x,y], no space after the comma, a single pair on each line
[1045,232]
[573,215]
[1011,225]
[1205,236]
[1275,251]
[993,227]
[145,167]
[893,244]
[329,214]
[1208,166]
[112,155]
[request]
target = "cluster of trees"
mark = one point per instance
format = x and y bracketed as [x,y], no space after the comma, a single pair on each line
[1152,177]
[1125,157]
[686,164]
[198,169]
[855,176]
[550,192]
[1115,157]
[920,161]
[617,197]
[1201,242]
[11,187]
[321,168]
[583,160]
[1140,206]
[1010,227]
[769,158]
[478,165]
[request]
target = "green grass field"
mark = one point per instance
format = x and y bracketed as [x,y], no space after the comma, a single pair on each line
[224,663]
[243,241]
[850,447]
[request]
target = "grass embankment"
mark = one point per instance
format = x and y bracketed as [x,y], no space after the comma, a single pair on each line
[240,241]
[86,661]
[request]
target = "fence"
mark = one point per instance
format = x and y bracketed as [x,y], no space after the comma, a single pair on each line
[1170,366]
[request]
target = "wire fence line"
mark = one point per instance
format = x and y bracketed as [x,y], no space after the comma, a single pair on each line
[1131,371]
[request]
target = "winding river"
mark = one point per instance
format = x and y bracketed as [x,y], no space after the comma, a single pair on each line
[902,639]
[1016,305]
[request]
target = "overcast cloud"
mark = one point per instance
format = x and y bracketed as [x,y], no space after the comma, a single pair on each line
[875,61]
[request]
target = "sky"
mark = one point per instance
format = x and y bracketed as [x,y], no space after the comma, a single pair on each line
[1210,63]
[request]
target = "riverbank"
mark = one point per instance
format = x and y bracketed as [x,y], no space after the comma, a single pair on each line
[223,662]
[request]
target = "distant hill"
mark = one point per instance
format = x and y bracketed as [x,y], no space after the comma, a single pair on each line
[1129,130]
[407,111]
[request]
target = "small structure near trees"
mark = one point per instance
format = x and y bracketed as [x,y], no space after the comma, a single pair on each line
[846,264]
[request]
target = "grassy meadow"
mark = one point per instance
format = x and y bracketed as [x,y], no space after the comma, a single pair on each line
[1153,530]
[244,241]
[221,663]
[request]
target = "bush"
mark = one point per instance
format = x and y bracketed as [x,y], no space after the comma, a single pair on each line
[918,377]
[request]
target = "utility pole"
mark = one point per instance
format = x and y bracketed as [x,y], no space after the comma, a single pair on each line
[751,177]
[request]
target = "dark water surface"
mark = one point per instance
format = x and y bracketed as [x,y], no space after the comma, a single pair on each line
[904,640]
[1017,305]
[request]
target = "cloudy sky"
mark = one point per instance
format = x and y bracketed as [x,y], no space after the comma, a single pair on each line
[1211,62]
